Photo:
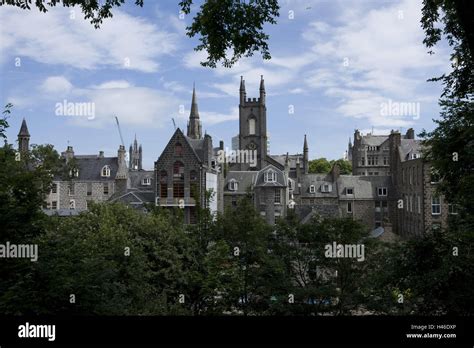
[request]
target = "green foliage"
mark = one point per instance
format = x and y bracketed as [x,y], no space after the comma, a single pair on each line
[225,27]
[323,166]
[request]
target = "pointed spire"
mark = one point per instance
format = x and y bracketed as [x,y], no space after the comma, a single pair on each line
[242,83]
[262,84]
[194,125]
[350,142]
[24,129]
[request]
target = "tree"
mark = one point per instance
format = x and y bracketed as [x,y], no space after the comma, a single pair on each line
[345,167]
[225,27]
[319,165]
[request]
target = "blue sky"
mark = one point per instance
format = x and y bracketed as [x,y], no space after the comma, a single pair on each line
[334,62]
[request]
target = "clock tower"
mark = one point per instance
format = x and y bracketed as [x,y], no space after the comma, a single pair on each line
[253,126]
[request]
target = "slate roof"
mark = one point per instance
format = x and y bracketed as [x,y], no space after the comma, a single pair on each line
[317,180]
[133,196]
[136,179]
[365,187]
[90,167]
[292,159]
[24,129]
[373,140]
[408,147]
[245,179]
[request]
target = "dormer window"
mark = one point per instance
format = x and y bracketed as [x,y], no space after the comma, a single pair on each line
[326,188]
[312,189]
[74,173]
[270,176]
[146,181]
[233,185]
[105,172]
[349,191]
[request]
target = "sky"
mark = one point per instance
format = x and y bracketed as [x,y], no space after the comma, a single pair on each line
[336,66]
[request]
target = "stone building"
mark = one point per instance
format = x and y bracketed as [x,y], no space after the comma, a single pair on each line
[391,186]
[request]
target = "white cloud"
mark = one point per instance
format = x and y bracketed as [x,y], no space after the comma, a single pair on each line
[56,84]
[371,56]
[124,42]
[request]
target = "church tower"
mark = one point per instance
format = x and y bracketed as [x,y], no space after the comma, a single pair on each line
[194,124]
[23,138]
[135,160]
[253,125]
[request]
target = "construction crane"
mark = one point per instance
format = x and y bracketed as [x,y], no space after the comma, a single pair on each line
[120,131]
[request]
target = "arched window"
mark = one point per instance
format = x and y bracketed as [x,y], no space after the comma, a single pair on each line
[105,171]
[163,184]
[178,149]
[251,126]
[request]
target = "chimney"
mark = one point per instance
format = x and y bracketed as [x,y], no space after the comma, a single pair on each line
[121,178]
[101,154]
[335,172]
[410,134]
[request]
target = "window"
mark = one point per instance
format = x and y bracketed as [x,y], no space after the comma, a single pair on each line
[277,196]
[251,126]
[362,161]
[71,189]
[74,173]
[419,205]
[349,207]
[105,171]
[234,201]
[163,184]
[349,191]
[435,205]
[382,191]
[326,188]
[385,161]
[178,170]
[411,203]
[89,189]
[452,209]
[270,176]
[312,189]
[54,188]
[178,189]
[106,188]
[178,149]
[146,181]
[54,205]
[372,160]
[72,204]
[233,185]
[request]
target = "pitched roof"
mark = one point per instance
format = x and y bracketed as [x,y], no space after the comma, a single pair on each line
[90,167]
[408,147]
[373,140]
[365,187]
[245,180]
